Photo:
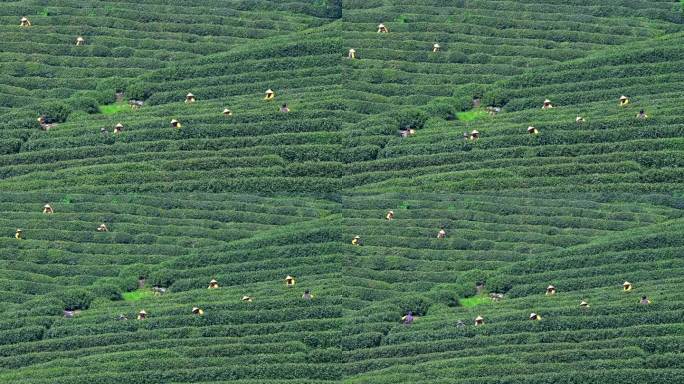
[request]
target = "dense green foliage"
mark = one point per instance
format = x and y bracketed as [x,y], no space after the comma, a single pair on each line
[250,198]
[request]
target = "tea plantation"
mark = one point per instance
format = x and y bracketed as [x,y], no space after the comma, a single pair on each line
[465,197]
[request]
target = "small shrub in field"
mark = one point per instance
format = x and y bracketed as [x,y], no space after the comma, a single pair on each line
[411,119]
[85,104]
[76,298]
[56,110]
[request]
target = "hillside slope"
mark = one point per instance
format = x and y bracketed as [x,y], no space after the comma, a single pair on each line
[252,197]
[341,132]
[517,245]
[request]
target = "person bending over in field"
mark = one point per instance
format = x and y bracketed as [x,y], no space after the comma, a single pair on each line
[493,110]
[142,315]
[290,281]
[642,115]
[407,132]
[356,240]
[441,234]
[623,101]
[408,319]
[284,108]
[46,122]
[270,95]
[307,295]
[644,300]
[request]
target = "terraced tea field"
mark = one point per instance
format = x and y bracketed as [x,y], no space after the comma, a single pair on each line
[500,208]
